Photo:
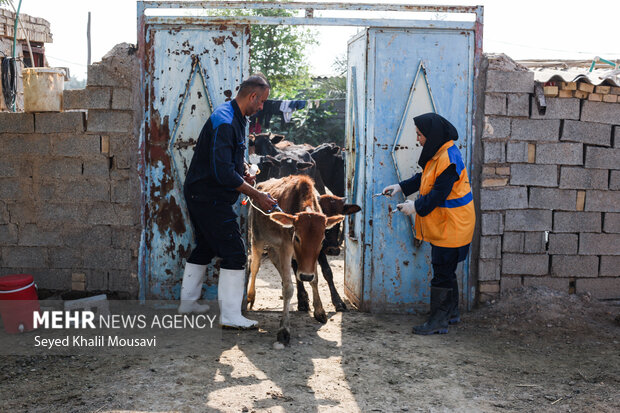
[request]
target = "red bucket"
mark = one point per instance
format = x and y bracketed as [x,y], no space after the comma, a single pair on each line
[18,301]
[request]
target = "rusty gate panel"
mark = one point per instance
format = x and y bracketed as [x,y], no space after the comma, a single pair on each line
[190,70]
[407,72]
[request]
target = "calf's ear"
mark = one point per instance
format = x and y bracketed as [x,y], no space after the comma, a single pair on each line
[283,219]
[349,209]
[332,221]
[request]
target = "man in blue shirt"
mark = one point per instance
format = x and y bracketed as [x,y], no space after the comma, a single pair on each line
[217,175]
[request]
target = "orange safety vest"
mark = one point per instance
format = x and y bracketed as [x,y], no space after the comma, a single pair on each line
[452,223]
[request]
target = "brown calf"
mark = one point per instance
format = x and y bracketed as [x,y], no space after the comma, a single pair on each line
[298,233]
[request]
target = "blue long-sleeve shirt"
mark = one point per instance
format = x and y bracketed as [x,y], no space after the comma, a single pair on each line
[217,165]
[442,187]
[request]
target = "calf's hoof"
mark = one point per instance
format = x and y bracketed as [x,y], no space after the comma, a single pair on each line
[284,336]
[321,317]
[303,306]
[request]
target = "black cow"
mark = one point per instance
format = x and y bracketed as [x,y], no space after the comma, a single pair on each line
[329,161]
[330,205]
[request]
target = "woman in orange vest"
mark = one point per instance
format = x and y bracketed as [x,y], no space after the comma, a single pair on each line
[444,214]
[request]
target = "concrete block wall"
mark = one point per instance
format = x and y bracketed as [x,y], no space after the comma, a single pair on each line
[550,191]
[69,187]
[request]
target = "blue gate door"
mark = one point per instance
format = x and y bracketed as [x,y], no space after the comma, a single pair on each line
[190,70]
[394,75]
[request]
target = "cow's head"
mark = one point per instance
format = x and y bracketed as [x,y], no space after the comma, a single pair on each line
[264,143]
[269,166]
[292,166]
[332,205]
[308,234]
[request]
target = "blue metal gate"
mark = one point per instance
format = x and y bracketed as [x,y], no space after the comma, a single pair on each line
[394,75]
[398,66]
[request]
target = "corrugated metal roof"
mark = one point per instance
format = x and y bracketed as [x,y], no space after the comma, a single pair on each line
[573,71]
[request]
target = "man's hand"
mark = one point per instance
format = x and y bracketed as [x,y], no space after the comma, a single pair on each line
[391,190]
[264,201]
[407,207]
[250,179]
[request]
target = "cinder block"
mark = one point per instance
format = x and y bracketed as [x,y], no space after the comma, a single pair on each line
[600,288]
[491,247]
[8,234]
[564,153]
[24,257]
[34,236]
[98,236]
[113,214]
[100,75]
[121,99]
[496,127]
[11,122]
[603,201]
[616,137]
[563,244]
[530,174]
[525,264]
[513,242]
[84,190]
[89,98]
[106,258]
[123,191]
[62,212]
[535,243]
[610,266]
[614,180]
[492,224]
[126,238]
[612,223]
[494,152]
[96,280]
[510,283]
[576,222]
[517,152]
[15,167]
[550,198]
[75,145]
[51,279]
[601,112]
[60,167]
[489,270]
[495,104]
[535,130]
[558,284]
[4,213]
[518,104]
[123,161]
[15,189]
[105,121]
[602,158]
[586,132]
[14,145]
[580,178]
[97,167]
[574,266]
[59,122]
[528,220]
[503,198]
[558,109]
[65,258]
[510,82]
[599,244]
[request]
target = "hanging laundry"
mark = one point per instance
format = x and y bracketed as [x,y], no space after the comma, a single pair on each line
[270,108]
[287,111]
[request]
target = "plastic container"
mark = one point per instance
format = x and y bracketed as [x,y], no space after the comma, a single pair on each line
[18,301]
[43,88]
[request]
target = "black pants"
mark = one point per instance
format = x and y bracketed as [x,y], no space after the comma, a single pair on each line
[444,261]
[217,234]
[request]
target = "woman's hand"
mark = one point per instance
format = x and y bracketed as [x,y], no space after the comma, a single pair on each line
[391,190]
[407,207]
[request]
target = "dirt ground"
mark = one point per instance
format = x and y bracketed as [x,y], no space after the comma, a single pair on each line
[535,350]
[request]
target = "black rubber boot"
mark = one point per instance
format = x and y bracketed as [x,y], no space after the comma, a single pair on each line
[455,315]
[441,305]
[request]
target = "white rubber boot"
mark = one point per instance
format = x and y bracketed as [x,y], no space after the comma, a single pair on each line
[191,288]
[230,295]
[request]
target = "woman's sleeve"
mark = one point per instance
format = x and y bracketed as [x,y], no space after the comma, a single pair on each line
[411,185]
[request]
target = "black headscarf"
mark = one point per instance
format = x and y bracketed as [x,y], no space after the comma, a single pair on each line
[437,130]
